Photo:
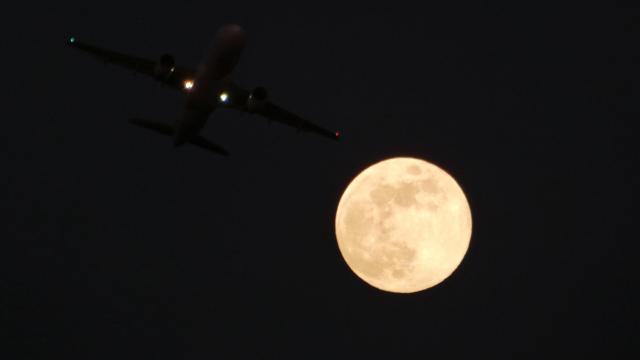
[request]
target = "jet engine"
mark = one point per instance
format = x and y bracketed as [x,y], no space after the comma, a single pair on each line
[257,99]
[165,67]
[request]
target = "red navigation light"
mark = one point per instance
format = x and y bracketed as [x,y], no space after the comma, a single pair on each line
[337,134]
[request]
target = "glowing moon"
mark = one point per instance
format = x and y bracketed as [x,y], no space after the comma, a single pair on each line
[403,225]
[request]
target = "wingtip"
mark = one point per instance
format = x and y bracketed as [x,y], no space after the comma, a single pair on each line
[71,40]
[337,135]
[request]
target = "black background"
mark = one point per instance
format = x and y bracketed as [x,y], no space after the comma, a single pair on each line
[116,245]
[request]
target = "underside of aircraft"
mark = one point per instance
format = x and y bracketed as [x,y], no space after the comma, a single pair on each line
[207,88]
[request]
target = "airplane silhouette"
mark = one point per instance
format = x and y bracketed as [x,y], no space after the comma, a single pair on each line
[207,88]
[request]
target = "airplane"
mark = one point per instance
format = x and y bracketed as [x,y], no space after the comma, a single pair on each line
[207,88]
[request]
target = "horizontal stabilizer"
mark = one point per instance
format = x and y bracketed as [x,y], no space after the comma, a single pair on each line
[208,145]
[167,129]
[162,128]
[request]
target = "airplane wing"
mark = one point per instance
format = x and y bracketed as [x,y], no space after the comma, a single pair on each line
[275,113]
[238,98]
[163,70]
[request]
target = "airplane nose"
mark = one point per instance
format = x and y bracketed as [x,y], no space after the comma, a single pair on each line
[231,34]
[231,29]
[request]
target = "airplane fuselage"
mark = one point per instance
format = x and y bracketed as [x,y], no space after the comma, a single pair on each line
[211,78]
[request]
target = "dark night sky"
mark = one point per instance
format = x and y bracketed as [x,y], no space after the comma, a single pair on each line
[115,245]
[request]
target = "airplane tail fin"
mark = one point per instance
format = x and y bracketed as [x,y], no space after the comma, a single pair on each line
[166,129]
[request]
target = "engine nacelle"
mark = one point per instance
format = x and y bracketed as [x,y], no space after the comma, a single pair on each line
[165,67]
[257,99]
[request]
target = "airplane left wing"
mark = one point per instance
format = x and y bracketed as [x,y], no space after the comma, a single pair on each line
[164,71]
[237,98]
[275,113]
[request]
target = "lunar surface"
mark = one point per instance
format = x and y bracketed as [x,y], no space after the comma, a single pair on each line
[403,225]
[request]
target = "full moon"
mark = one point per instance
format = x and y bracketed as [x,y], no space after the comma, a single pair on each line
[403,225]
